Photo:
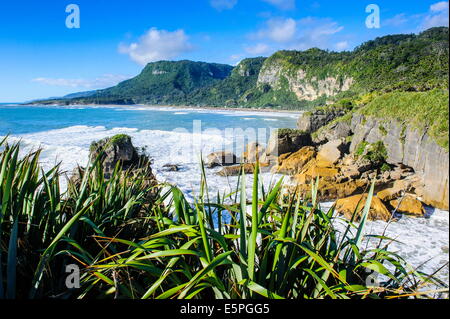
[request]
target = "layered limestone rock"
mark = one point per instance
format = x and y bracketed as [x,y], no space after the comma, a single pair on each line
[335,130]
[293,163]
[312,121]
[276,75]
[389,194]
[332,151]
[117,149]
[312,89]
[408,205]
[414,148]
[237,169]
[287,141]
[342,175]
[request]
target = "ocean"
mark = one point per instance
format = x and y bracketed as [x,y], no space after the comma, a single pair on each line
[178,136]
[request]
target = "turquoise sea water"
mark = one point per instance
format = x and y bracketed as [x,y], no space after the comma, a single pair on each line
[179,136]
[169,135]
[16,119]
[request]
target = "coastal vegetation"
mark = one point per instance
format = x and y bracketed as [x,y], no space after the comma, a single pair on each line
[135,239]
[417,109]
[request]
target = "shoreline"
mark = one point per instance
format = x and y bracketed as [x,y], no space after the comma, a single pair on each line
[178,107]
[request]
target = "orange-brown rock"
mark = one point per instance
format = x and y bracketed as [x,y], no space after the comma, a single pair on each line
[404,184]
[329,191]
[282,158]
[316,168]
[332,151]
[389,194]
[292,163]
[355,204]
[236,170]
[351,171]
[408,205]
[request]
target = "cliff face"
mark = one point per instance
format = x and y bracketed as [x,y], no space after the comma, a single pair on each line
[312,121]
[411,147]
[409,128]
[280,76]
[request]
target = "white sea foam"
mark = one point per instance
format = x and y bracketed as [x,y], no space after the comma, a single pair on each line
[421,239]
[424,242]
[230,113]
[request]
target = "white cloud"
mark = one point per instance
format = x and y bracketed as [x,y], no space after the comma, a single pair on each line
[440,6]
[282,4]
[341,46]
[396,21]
[316,32]
[157,45]
[316,27]
[437,16]
[223,4]
[104,81]
[258,49]
[278,30]
[290,34]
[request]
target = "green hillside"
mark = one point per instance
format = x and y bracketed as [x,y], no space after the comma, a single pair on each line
[164,82]
[398,62]
[291,79]
[233,90]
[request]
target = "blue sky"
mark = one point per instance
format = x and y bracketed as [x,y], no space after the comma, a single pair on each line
[40,57]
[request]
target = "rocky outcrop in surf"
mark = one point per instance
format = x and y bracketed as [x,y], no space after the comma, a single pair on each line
[118,154]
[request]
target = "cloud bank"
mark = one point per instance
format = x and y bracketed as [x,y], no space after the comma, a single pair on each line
[156,45]
[290,34]
[104,81]
[437,16]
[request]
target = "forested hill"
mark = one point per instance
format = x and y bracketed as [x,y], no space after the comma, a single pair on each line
[289,79]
